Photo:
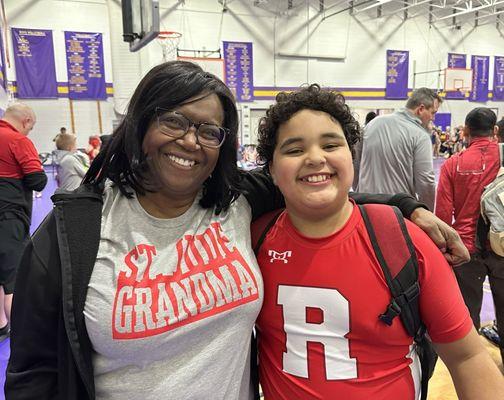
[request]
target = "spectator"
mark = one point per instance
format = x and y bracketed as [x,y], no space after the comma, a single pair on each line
[500,132]
[370,116]
[462,180]
[61,132]
[72,165]
[436,142]
[397,151]
[93,147]
[21,172]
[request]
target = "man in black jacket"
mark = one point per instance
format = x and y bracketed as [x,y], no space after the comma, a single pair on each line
[21,172]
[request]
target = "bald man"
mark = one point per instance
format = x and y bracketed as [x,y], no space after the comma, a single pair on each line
[21,172]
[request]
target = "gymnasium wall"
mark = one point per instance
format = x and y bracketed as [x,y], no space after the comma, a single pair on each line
[351,51]
[60,16]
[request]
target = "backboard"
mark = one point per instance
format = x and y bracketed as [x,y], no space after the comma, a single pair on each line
[212,65]
[458,80]
[140,22]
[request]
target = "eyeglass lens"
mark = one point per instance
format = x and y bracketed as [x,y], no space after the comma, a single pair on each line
[176,125]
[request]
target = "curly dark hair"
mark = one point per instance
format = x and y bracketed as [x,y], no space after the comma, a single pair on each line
[311,98]
[167,86]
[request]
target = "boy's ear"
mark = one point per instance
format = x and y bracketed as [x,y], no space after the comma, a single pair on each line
[272,172]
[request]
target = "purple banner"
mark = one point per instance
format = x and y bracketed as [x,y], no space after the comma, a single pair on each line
[86,75]
[238,63]
[456,60]
[397,74]
[498,79]
[34,61]
[3,74]
[442,120]
[480,65]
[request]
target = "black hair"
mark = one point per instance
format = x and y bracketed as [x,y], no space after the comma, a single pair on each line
[370,116]
[500,133]
[481,122]
[310,98]
[167,86]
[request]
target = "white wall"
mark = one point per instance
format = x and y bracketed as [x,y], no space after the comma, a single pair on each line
[361,40]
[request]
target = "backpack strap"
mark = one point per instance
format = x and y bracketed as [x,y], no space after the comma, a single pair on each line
[396,255]
[397,258]
[261,227]
[78,221]
[259,230]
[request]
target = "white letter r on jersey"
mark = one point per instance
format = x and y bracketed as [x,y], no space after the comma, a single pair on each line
[331,332]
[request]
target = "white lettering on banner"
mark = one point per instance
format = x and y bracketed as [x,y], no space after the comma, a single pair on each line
[209,277]
[330,332]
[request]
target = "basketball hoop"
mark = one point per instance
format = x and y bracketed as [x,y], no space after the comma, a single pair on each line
[169,42]
[458,80]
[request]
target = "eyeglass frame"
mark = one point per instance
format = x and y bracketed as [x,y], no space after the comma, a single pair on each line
[191,124]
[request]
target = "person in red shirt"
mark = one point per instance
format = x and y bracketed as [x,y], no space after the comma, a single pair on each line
[20,173]
[461,183]
[94,147]
[319,332]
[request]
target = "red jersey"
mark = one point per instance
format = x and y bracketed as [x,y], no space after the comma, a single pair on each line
[319,332]
[18,156]
[462,180]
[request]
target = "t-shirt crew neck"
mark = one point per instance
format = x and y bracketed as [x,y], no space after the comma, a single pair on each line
[323,242]
[181,220]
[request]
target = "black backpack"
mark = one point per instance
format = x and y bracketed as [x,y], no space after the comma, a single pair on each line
[395,252]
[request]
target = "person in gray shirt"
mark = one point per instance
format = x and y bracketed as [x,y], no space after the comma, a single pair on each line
[396,150]
[72,164]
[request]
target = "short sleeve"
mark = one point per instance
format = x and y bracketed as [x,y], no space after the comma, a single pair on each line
[26,155]
[442,307]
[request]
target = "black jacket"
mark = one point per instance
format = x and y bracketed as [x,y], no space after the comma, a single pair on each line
[50,348]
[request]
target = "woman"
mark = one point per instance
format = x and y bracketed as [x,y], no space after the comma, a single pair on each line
[142,283]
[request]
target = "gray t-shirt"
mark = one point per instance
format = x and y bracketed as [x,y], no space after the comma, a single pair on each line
[397,157]
[171,303]
[71,169]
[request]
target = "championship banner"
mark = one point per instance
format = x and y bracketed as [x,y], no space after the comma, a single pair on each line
[3,75]
[397,74]
[456,60]
[86,74]
[238,63]
[498,80]
[34,61]
[480,66]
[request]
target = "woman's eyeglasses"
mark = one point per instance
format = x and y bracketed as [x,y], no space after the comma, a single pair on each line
[176,125]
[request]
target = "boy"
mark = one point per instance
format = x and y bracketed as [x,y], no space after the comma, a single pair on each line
[72,165]
[320,337]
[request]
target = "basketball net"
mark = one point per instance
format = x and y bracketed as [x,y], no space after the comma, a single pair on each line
[169,42]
